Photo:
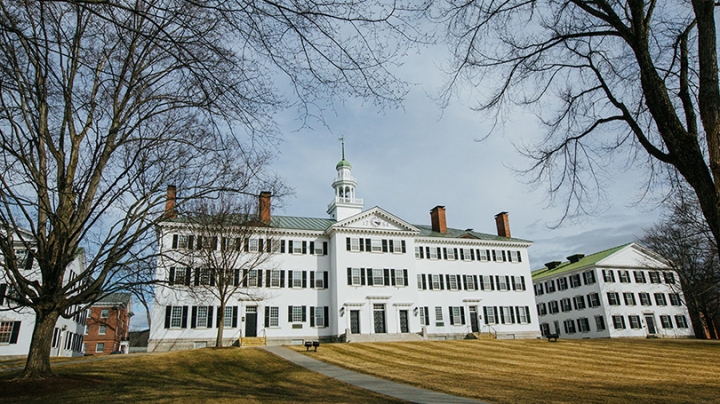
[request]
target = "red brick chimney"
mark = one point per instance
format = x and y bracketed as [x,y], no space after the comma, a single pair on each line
[437,219]
[170,212]
[503,224]
[264,210]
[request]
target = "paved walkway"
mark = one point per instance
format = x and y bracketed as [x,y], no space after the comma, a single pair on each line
[388,388]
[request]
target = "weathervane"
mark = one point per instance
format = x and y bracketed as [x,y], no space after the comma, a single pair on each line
[342,139]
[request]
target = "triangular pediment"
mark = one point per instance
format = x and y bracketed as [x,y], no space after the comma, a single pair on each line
[375,219]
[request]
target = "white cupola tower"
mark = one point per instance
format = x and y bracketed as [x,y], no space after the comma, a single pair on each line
[345,204]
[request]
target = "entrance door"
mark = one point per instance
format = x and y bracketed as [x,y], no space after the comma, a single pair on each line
[474,319]
[404,321]
[251,321]
[355,321]
[650,321]
[379,318]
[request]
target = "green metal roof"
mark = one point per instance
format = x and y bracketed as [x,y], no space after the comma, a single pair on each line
[426,231]
[300,223]
[583,262]
[118,297]
[343,163]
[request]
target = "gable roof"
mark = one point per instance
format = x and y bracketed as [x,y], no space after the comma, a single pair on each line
[115,298]
[426,231]
[378,212]
[586,261]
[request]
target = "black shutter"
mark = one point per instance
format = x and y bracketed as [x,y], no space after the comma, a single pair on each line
[267,316]
[304,279]
[235,316]
[193,321]
[312,316]
[312,279]
[291,276]
[520,260]
[462,314]
[3,288]
[269,245]
[261,245]
[464,278]
[236,277]
[304,247]
[327,316]
[495,310]
[210,317]
[247,244]
[217,317]
[442,285]
[325,248]
[213,274]
[462,254]
[527,314]
[504,256]
[290,310]
[168,311]
[368,245]
[184,316]
[325,279]
[512,278]
[427,251]
[290,246]
[472,254]
[522,279]
[347,243]
[187,276]
[268,274]
[15,332]
[475,278]
[370,279]
[422,252]
[512,316]
[447,281]
[424,282]
[260,277]
[402,243]
[171,278]
[392,277]
[197,276]
[349,275]
[452,319]
[282,250]
[430,281]
[456,252]
[303,314]
[494,257]
[482,285]
[386,272]
[444,253]
[282,279]
[492,284]
[362,276]
[362,244]
[312,248]
[385,245]
[485,315]
[191,242]
[507,279]
[175,241]
[245,278]
[405,277]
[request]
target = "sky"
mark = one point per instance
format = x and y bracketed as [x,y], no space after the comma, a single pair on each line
[411,159]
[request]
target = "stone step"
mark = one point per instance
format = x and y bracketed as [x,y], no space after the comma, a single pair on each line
[253,341]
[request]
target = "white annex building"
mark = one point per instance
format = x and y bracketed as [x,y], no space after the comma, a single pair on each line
[357,275]
[17,324]
[621,292]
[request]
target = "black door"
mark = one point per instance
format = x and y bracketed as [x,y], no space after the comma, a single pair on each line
[379,318]
[650,320]
[404,321]
[355,321]
[474,319]
[251,321]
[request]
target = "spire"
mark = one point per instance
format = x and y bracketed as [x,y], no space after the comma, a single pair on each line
[345,204]
[342,139]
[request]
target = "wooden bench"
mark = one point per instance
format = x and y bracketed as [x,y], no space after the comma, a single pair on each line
[553,337]
[311,344]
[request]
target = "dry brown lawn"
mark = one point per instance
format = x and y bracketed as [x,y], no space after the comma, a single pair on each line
[231,375]
[537,371]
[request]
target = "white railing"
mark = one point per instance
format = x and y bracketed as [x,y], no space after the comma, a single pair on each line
[339,199]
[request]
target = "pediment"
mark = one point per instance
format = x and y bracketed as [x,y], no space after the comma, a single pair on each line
[375,219]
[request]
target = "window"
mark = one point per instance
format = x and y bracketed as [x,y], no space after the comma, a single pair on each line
[418,252]
[589,277]
[181,276]
[681,322]
[645,299]
[452,282]
[378,278]
[600,323]
[206,277]
[208,243]
[185,242]
[608,275]
[274,278]
[518,283]
[102,330]
[613,298]
[539,289]
[490,317]
[583,324]
[271,316]
[201,318]
[104,313]
[593,300]
[399,277]
[565,304]
[319,316]
[635,322]
[483,255]
[514,256]
[629,298]
[553,307]
[639,276]
[660,299]
[486,282]
[439,316]
[542,309]
[544,329]
[176,316]
[507,315]
[470,282]
[100,347]
[467,254]
[569,327]
[9,332]
[436,282]
[354,244]
[419,282]
[356,278]
[562,283]
[498,255]
[654,277]
[252,278]
[669,278]
[579,302]
[319,280]
[450,254]
[376,245]
[228,320]
[674,299]
[575,281]
[298,246]
[618,322]
[319,248]
[502,283]
[550,286]
[433,253]
[624,276]
[666,322]
[296,315]
[424,316]
[253,245]
[522,315]
[297,281]
[457,317]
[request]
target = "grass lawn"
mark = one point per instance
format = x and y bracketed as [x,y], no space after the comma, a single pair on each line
[205,375]
[537,371]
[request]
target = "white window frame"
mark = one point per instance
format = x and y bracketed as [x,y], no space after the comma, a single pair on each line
[397,246]
[183,242]
[297,314]
[452,283]
[514,256]
[274,278]
[518,283]
[376,245]
[319,250]
[498,255]
[102,329]
[417,252]
[433,255]
[201,321]
[319,316]
[423,316]
[253,245]
[634,321]
[624,276]
[553,307]
[570,326]
[297,247]
[228,317]
[470,282]
[640,277]
[658,302]
[565,304]
[523,315]
[579,302]
[507,315]
[487,282]
[99,347]
[274,317]
[457,316]
[252,278]
[438,314]
[483,256]
[419,282]
[666,321]
[502,283]
[104,313]
[319,280]
[618,322]
[399,278]
[356,277]
[600,323]
[654,277]
[375,276]
[490,315]
[647,301]
[467,254]
[681,321]
[354,244]
[450,254]
[296,280]
[435,281]
[176,317]
[583,325]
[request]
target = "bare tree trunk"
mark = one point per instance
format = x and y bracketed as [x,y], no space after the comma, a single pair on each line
[221,325]
[38,360]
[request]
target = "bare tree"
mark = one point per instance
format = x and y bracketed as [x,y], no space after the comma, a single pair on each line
[684,239]
[104,103]
[231,243]
[609,79]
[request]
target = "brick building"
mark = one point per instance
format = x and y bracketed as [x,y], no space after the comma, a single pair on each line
[108,324]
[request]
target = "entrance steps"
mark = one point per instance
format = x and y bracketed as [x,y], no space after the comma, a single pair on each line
[383,337]
[481,335]
[253,341]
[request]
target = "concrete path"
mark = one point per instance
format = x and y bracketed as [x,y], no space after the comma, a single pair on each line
[388,388]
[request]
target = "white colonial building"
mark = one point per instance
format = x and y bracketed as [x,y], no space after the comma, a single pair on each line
[358,275]
[623,292]
[17,324]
